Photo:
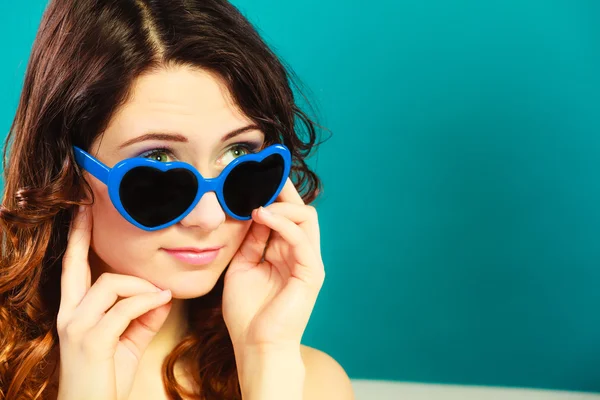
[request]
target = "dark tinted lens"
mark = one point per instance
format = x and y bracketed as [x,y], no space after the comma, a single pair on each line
[251,184]
[153,197]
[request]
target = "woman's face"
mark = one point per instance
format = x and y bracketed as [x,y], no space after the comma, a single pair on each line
[194,109]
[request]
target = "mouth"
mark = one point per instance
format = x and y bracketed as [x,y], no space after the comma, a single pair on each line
[194,255]
[194,249]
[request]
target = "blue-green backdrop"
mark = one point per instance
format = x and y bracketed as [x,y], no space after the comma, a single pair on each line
[460,217]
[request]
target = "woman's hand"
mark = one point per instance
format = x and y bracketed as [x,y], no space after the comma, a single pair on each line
[267,302]
[101,342]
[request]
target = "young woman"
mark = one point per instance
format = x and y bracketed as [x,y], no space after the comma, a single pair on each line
[154,243]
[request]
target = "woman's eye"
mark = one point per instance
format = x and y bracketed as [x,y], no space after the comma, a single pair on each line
[234,152]
[160,155]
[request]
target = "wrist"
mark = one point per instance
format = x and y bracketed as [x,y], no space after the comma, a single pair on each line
[271,372]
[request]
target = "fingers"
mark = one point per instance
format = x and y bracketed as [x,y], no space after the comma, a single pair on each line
[299,214]
[305,216]
[97,324]
[141,331]
[302,249]
[253,246]
[91,318]
[292,207]
[135,320]
[99,343]
[76,275]
[103,294]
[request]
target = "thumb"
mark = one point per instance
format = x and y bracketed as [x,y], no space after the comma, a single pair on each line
[142,330]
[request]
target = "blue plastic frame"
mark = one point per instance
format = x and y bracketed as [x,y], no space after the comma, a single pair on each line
[112,178]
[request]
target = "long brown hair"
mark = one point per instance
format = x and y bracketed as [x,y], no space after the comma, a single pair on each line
[84,60]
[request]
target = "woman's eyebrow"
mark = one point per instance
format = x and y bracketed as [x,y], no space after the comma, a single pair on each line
[177,137]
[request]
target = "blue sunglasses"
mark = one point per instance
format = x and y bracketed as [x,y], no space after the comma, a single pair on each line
[153,195]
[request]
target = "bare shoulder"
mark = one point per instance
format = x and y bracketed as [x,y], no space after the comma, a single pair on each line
[326,379]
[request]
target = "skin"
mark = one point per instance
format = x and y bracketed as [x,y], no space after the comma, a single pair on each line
[266,304]
[194,104]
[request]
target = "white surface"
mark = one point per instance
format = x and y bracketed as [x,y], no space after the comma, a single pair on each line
[387,390]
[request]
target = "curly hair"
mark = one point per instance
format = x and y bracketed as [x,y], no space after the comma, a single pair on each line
[83,62]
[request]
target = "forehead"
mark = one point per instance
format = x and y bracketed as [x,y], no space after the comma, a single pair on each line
[190,101]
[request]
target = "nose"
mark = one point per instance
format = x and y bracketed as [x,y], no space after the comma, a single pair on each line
[208,214]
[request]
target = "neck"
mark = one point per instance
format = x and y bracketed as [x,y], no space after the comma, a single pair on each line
[169,336]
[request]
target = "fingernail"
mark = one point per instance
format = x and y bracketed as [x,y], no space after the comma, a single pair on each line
[81,209]
[264,211]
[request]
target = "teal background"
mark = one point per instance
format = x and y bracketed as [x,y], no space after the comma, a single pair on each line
[460,219]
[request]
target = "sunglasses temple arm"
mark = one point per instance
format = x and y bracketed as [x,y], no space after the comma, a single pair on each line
[93,166]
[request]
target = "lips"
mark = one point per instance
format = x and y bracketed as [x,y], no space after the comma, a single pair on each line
[193,249]
[193,255]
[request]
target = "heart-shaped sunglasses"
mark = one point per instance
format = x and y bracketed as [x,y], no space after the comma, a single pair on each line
[153,195]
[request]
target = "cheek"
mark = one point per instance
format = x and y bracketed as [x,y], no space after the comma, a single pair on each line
[236,232]
[123,248]
[117,242]
[107,220]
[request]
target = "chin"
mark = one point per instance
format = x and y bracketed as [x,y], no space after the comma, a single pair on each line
[190,284]
[184,294]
